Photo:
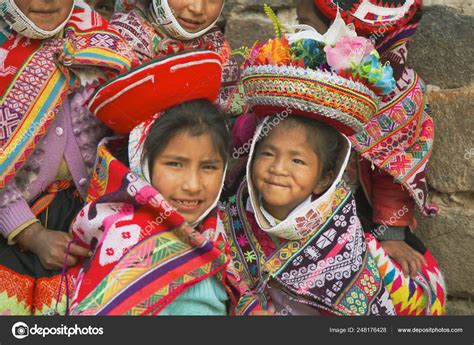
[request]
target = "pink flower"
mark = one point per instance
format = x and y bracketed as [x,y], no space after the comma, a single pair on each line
[348,51]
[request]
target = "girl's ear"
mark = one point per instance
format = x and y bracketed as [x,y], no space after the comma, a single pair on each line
[324,183]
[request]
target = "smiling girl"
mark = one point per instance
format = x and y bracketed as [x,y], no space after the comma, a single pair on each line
[293,228]
[155,208]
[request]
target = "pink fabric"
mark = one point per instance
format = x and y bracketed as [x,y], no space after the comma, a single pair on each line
[243,130]
[391,204]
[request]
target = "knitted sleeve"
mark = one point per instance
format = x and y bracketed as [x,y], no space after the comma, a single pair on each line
[14,211]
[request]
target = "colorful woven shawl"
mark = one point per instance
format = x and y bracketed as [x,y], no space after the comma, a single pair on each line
[400,137]
[36,76]
[424,295]
[144,254]
[330,270]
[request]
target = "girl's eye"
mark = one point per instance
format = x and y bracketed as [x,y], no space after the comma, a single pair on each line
[210,167]
[298,161]
[174,164]
[266,154]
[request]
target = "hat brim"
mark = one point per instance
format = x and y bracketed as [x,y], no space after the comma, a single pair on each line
[340,102]
[138,95]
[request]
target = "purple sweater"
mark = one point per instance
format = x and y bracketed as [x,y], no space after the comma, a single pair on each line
[73,136]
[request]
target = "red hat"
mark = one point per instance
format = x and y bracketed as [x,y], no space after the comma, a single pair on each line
[371,16]
[138,95]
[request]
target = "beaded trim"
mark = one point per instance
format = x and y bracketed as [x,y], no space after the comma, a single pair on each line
[325,93]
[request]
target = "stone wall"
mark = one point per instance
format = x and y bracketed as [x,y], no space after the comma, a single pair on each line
[442,52]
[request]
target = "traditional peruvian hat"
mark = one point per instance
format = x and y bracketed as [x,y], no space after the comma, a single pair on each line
[335,78]
[134,97]
[371,16]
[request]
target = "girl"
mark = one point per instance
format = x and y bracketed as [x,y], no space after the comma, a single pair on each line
[50,61]
[336,78]
[154,228]
[293,227]
[156,28]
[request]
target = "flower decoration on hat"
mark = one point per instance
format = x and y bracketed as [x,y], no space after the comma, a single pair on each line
[336,77]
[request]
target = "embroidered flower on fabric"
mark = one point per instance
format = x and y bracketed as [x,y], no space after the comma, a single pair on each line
[242,240]
[237,224]
[340,220]
[233,211]
[250,256]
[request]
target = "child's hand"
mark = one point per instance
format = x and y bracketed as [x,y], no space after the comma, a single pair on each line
[50,246]
[410,260]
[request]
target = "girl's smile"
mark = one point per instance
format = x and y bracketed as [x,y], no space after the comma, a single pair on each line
[189,24]
[46,14]
[196,15]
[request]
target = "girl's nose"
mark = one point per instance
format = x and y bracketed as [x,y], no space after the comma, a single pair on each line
[192,183]
[197,7]
[278,167]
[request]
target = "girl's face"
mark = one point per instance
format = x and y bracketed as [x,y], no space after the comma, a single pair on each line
[189,173]
[195,15]
[286,170]
[46,14]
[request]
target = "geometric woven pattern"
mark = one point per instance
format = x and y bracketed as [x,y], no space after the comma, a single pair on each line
[140,277]
[23,295]
[345,103]
[32,96]
[331,269]
[424,295]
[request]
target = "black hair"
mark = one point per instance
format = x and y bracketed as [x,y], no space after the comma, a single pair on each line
[326,140]
[195,117]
